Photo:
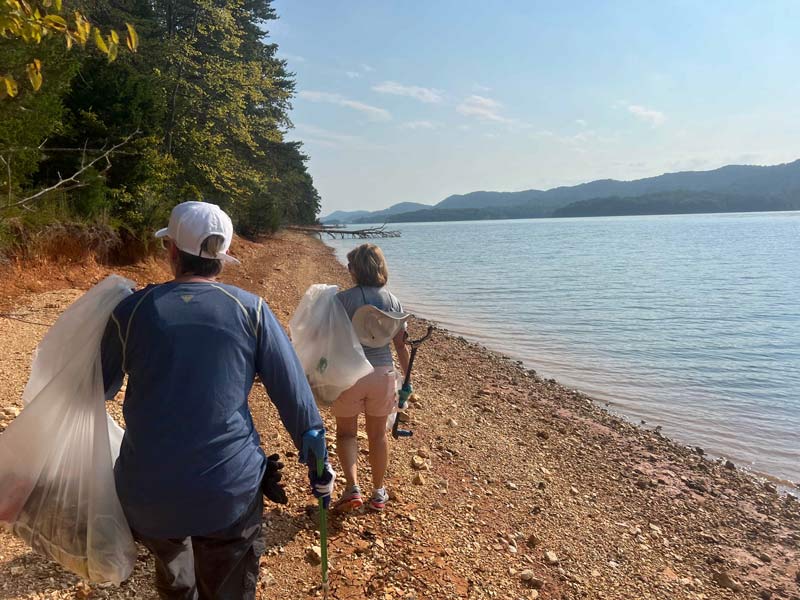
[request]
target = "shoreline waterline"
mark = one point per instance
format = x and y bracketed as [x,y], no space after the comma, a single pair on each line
[635,400]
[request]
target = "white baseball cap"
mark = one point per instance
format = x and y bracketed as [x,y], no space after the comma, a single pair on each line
[190,223]
[375,327]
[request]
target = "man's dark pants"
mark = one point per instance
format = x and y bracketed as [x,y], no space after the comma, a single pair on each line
[219,566]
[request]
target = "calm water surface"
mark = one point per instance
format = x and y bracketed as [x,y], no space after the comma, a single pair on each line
[690,322]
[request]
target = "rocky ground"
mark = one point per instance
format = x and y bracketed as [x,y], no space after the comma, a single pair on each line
[512,486]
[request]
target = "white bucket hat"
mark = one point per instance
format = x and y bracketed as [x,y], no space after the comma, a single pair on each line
[190,223]
[375,327]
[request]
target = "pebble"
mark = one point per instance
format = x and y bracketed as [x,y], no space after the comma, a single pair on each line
[418,462]
[452,422]
[551,557]
[729,465]
[423,452]
[314,555]
[573,491]
[533,540]
[724,580]
[418,479]
[511,486]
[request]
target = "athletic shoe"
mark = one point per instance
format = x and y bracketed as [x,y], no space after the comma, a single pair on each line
[378,500]
[350,500]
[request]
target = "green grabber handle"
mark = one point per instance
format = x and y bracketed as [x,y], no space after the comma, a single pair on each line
[323,532]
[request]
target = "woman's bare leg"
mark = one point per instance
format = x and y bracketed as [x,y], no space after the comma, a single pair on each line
[347,447]
[378,449]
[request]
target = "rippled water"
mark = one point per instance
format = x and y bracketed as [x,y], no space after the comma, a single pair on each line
[690,322]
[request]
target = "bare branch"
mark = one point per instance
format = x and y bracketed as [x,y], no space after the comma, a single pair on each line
[73,179]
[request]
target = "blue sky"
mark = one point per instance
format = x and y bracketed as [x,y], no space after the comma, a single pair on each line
[412,101]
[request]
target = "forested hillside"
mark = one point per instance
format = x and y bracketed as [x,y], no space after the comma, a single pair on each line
[198,111]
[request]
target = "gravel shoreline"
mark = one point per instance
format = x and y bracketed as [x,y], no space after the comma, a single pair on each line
[513,486]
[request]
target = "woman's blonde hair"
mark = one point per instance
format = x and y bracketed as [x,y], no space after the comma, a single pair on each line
[368,265]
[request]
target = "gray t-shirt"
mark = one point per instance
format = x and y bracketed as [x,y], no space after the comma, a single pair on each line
[380,297]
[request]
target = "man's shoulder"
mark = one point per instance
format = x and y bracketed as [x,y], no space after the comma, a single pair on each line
[126,306]
[247,299]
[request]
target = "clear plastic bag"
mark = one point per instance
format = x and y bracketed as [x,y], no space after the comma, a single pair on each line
[328,348]
[57,456]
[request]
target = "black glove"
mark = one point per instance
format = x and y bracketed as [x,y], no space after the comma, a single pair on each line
[270,483]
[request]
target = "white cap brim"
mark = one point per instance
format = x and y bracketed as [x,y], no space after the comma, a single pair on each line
[227,258]
[162,233]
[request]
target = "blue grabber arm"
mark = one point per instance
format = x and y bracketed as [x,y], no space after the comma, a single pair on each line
[414,344]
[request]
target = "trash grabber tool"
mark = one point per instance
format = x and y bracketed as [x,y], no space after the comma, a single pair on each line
[323,533]
[414,344]
[314,441]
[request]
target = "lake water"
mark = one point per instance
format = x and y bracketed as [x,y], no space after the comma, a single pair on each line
[691,322]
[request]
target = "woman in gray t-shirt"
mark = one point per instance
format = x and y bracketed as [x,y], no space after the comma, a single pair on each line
[375,395]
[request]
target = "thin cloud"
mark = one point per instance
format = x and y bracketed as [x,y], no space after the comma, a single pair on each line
[373,113]
[420,125]
[481,88]
[366,68]
[293,57]
[353,74]
[325,136]
[483,108]
[428,95]
[581,122]
[648,115]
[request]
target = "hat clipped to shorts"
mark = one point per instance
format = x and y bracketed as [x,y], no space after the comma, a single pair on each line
[375,327]
[192,222]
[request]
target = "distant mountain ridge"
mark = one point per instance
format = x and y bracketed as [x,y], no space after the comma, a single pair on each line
[727,189]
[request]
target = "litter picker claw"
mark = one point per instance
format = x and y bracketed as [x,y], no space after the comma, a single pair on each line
[414,344]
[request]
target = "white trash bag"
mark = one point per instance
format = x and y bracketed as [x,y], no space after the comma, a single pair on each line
[327,345]
[56,457]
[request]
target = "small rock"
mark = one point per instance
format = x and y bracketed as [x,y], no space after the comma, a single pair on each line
[17,570]
[655,529]
[418,462]
[724,580]
[423,452]
[543,435]
[770,488]
[551,557]
[418,479]
[729,465]
[533,540]
[314,555]
[765,558]
[573,491]
[452,422]
[766,594]
[534,595]
[529,577]
[511,486]
[699,450]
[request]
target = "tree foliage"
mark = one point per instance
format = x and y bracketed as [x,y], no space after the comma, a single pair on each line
[208,96]
[30,24]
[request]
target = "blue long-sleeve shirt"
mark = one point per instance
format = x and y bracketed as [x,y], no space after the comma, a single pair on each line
[190,461]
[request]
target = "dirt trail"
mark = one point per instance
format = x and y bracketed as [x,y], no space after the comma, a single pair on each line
[524,488]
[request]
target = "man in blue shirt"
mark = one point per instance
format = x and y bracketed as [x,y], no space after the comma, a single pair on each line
[190,467]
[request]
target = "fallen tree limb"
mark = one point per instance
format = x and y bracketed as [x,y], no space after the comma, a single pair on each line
[72,182]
